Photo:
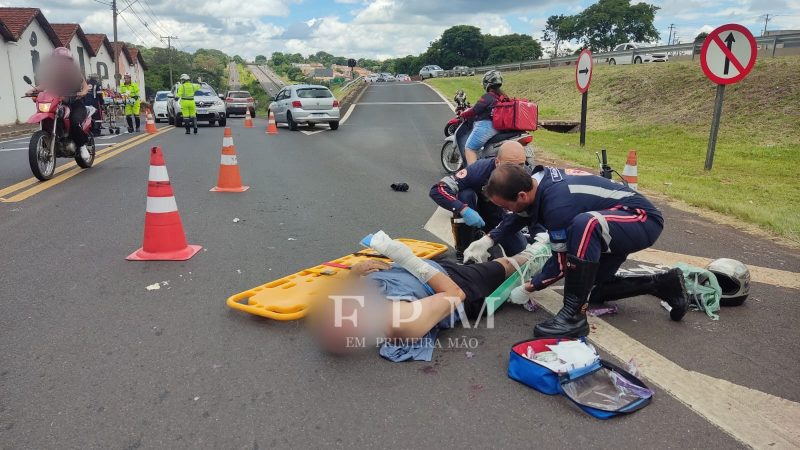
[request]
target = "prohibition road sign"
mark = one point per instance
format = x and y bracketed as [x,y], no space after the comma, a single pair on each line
[583,71]
[728,54]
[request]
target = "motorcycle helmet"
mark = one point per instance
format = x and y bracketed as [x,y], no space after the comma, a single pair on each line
[734,279]
[185,77]
[492,78]
[63,52]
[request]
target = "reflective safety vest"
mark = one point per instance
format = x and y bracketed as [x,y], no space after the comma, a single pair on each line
[186,91]
[131,90]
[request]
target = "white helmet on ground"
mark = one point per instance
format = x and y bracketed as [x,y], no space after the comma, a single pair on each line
[734,279]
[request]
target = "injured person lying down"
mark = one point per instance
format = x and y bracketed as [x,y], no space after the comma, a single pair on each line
[401,307]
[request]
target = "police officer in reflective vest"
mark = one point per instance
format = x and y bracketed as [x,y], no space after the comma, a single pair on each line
[185,93]
[594,224]
[132,103]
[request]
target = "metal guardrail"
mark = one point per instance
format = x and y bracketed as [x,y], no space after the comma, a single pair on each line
[351,83]
[692,48]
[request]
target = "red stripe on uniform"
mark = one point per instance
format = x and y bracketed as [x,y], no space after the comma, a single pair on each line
[587,235]
[444,193]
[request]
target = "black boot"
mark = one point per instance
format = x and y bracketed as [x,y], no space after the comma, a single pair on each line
[138,122]
[571,320]
[463,235]
[129,119]
[667,286]
[194,121]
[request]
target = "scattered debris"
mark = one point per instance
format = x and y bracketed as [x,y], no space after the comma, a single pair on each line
[400,187]
[531,306]
[602,311]
[235,220]
[238,270]
[196,398]
[291,239]
[470,354]
[153,287]
[689,231]
[666,183]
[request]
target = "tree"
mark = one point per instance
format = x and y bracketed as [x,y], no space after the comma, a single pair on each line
[559,29]
[510,48]
[701,37]
[261,59]
[295,74]
[277,59]
[608,23]
[460,45]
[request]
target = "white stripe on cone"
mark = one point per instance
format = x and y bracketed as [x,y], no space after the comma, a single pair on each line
[227,141]
[228,160]
[629,171]
[158,173]
[161,205]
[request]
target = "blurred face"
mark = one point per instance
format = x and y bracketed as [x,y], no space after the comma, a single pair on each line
[127,79]
[349,317]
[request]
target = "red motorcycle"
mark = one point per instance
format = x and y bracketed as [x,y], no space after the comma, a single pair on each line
[53,140]
[451,126]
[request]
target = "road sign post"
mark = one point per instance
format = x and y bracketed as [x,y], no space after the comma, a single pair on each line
[583,77]
[728,55]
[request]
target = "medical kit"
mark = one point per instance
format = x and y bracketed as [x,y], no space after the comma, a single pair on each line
[573,369]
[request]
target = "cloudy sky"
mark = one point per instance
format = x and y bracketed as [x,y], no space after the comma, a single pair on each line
[372,28]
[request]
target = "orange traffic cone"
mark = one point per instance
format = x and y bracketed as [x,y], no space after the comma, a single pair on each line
[630,172]
[164,239]
[248,121]
[150,124]
[229,178]
[271,127]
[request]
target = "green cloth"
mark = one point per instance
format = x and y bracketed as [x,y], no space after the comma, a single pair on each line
[703,289]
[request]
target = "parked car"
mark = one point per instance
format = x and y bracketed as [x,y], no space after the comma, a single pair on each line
[306,103]
[402,77]
[388,77]
[431,71]
[239,102]
[160,105]
[210,106]
[371,78]
[462,71]
[638,58]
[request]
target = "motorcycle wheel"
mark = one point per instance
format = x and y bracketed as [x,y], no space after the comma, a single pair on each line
[449,129]
[451,158]
[41,157]
[80,161]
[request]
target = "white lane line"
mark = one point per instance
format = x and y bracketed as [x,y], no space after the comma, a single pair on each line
[753,417]
[309,133]
[15,140]
[452,106]
[402,103]
[25,148]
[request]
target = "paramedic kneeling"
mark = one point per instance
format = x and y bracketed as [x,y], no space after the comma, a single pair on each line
[594,224]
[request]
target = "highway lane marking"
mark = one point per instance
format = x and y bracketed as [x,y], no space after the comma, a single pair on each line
[439,226]
[402,103]
[26,148]
[452,107]
[309,133]
[14,140]
[352,107]
[753,417]
[64,172]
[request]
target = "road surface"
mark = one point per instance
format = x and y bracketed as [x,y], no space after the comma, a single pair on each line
[268,79]
[92,358]
[233,79]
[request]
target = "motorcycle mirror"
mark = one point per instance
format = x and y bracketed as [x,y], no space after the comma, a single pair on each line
[27,80]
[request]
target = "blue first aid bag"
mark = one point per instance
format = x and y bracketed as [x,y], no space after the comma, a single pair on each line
[600,389]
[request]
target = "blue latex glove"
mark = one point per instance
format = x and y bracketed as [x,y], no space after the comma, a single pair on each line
[472,218]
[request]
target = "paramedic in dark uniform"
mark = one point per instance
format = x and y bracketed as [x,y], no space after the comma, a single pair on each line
[594,224]
[462,194]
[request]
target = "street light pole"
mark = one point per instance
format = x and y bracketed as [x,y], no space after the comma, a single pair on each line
[169,55]
[116,45]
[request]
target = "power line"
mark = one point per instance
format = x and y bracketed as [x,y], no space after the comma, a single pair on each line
[150,13]
[133,11]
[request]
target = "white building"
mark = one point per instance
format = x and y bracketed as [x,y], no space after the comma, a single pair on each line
[74,39]
[103,61]
[137,68]
[27,38]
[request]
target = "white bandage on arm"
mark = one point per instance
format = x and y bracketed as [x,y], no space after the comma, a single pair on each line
[402,256]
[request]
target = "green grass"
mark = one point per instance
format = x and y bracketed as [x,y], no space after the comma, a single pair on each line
[664,112]
[248,82]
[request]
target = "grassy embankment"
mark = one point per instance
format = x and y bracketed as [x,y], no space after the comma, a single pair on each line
[664,112]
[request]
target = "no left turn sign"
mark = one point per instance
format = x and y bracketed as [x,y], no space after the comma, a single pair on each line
[728,54]
[583,71]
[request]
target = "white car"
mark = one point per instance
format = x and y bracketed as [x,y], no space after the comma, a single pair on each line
[371,78]
[639,58]
[431,71]
[306,103]
[160,106]
[208,106]
[387,76]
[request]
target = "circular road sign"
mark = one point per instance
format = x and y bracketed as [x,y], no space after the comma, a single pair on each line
[728,54]
[583,71]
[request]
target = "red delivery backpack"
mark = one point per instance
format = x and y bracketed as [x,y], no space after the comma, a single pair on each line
[515,114]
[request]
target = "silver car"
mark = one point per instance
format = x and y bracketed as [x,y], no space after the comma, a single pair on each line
[305,103]
[431,71]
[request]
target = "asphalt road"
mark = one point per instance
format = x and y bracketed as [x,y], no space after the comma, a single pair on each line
[269,81]
[233,80]
[90,358]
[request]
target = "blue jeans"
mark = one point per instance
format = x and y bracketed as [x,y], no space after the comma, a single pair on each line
[493,215]
[482,131]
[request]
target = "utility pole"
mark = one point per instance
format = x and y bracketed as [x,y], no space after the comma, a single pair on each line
[671,27]
[766,21]
[169,54]
[116,45]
